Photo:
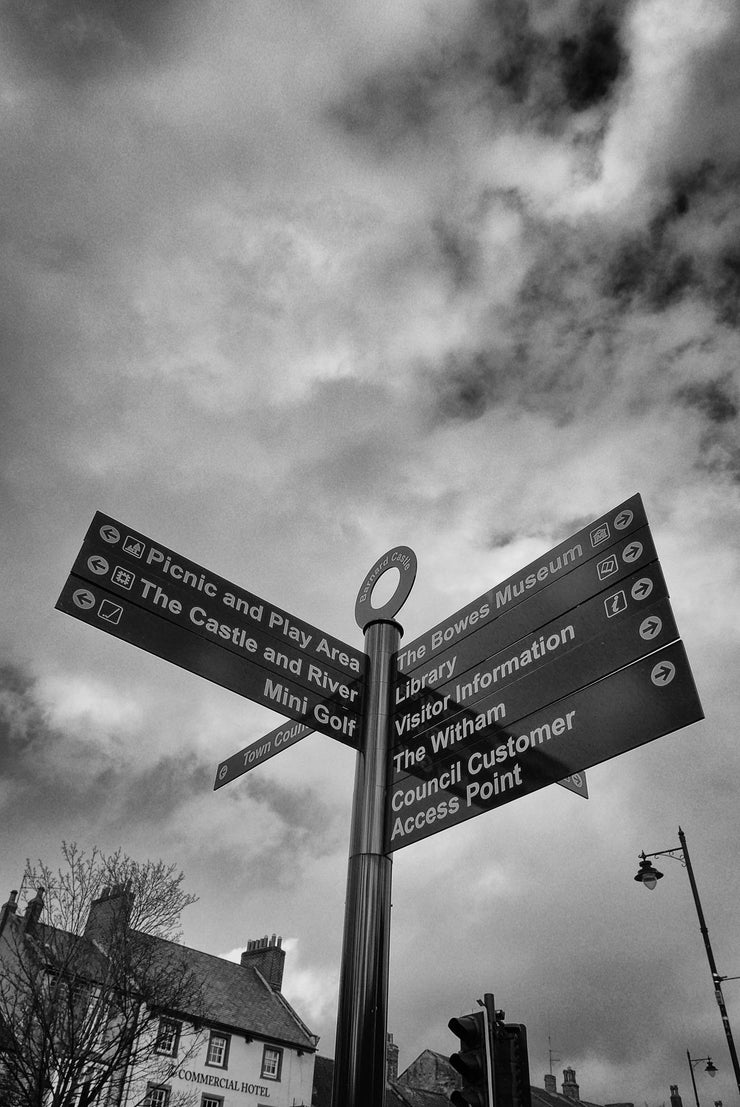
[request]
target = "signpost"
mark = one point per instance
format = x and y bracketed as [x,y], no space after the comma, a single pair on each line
[570,662]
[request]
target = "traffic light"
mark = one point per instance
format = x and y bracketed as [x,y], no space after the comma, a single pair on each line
[511,1065]
[473,1061]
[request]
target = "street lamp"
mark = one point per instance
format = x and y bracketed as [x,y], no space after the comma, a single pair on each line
[710,1069]
[648,875]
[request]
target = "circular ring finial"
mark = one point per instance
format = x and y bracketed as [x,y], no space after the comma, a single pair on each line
[400,557]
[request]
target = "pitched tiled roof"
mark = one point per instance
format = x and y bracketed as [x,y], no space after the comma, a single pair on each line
[323,1073]
[235,997]
[54,945]
[239,997]
[542,1098]
[399,1095]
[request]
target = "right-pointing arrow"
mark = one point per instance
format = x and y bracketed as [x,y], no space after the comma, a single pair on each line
[663,673]
[651,627]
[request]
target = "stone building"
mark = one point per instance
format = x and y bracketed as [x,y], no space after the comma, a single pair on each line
[243,1046]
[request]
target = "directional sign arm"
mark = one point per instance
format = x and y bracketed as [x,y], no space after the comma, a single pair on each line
[260,751]
[624,710]
[583,546]
[143,572]
[99,608]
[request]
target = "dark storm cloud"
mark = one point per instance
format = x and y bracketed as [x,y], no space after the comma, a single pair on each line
[716,402]
[468,384]
[499,63]
[691,246]
[301,813]
[297,827]
[592,60]
[63,774]
[148,795]
[23,726]
[650,268]
[558,345]
[713,398]
[78,40]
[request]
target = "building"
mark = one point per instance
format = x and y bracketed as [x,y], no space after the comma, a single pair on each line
[429,1080]
[222,1035]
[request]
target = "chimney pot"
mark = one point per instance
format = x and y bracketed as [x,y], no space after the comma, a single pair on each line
[268,957]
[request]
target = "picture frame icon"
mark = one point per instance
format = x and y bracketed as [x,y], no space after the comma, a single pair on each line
[124,578]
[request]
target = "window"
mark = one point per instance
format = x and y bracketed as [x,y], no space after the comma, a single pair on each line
[168,1037]
[218,1050]
[157,1096]
[272,1062]
[212,1101]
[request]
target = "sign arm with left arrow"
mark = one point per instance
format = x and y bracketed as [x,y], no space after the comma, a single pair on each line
[139,591]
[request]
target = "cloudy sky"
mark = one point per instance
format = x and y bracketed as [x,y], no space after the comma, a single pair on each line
[285,284]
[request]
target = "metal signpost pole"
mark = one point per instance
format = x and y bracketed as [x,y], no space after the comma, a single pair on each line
[359,1060]
[359,1065]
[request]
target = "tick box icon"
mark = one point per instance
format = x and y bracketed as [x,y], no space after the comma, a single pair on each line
[110,612]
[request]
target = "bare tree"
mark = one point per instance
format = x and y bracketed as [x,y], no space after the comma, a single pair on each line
[94,989]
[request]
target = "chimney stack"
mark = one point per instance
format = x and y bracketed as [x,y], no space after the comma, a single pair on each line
[267,956]
[34,907]
[391,1058]
[675,1097]
[110,913]
[8,908]
[551,1084]
[570,1088]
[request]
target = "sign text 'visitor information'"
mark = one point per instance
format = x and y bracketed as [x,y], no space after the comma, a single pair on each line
[139,591]
[568,663]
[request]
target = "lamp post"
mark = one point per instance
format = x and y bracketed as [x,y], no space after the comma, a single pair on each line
[649,876]
[709,1069]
